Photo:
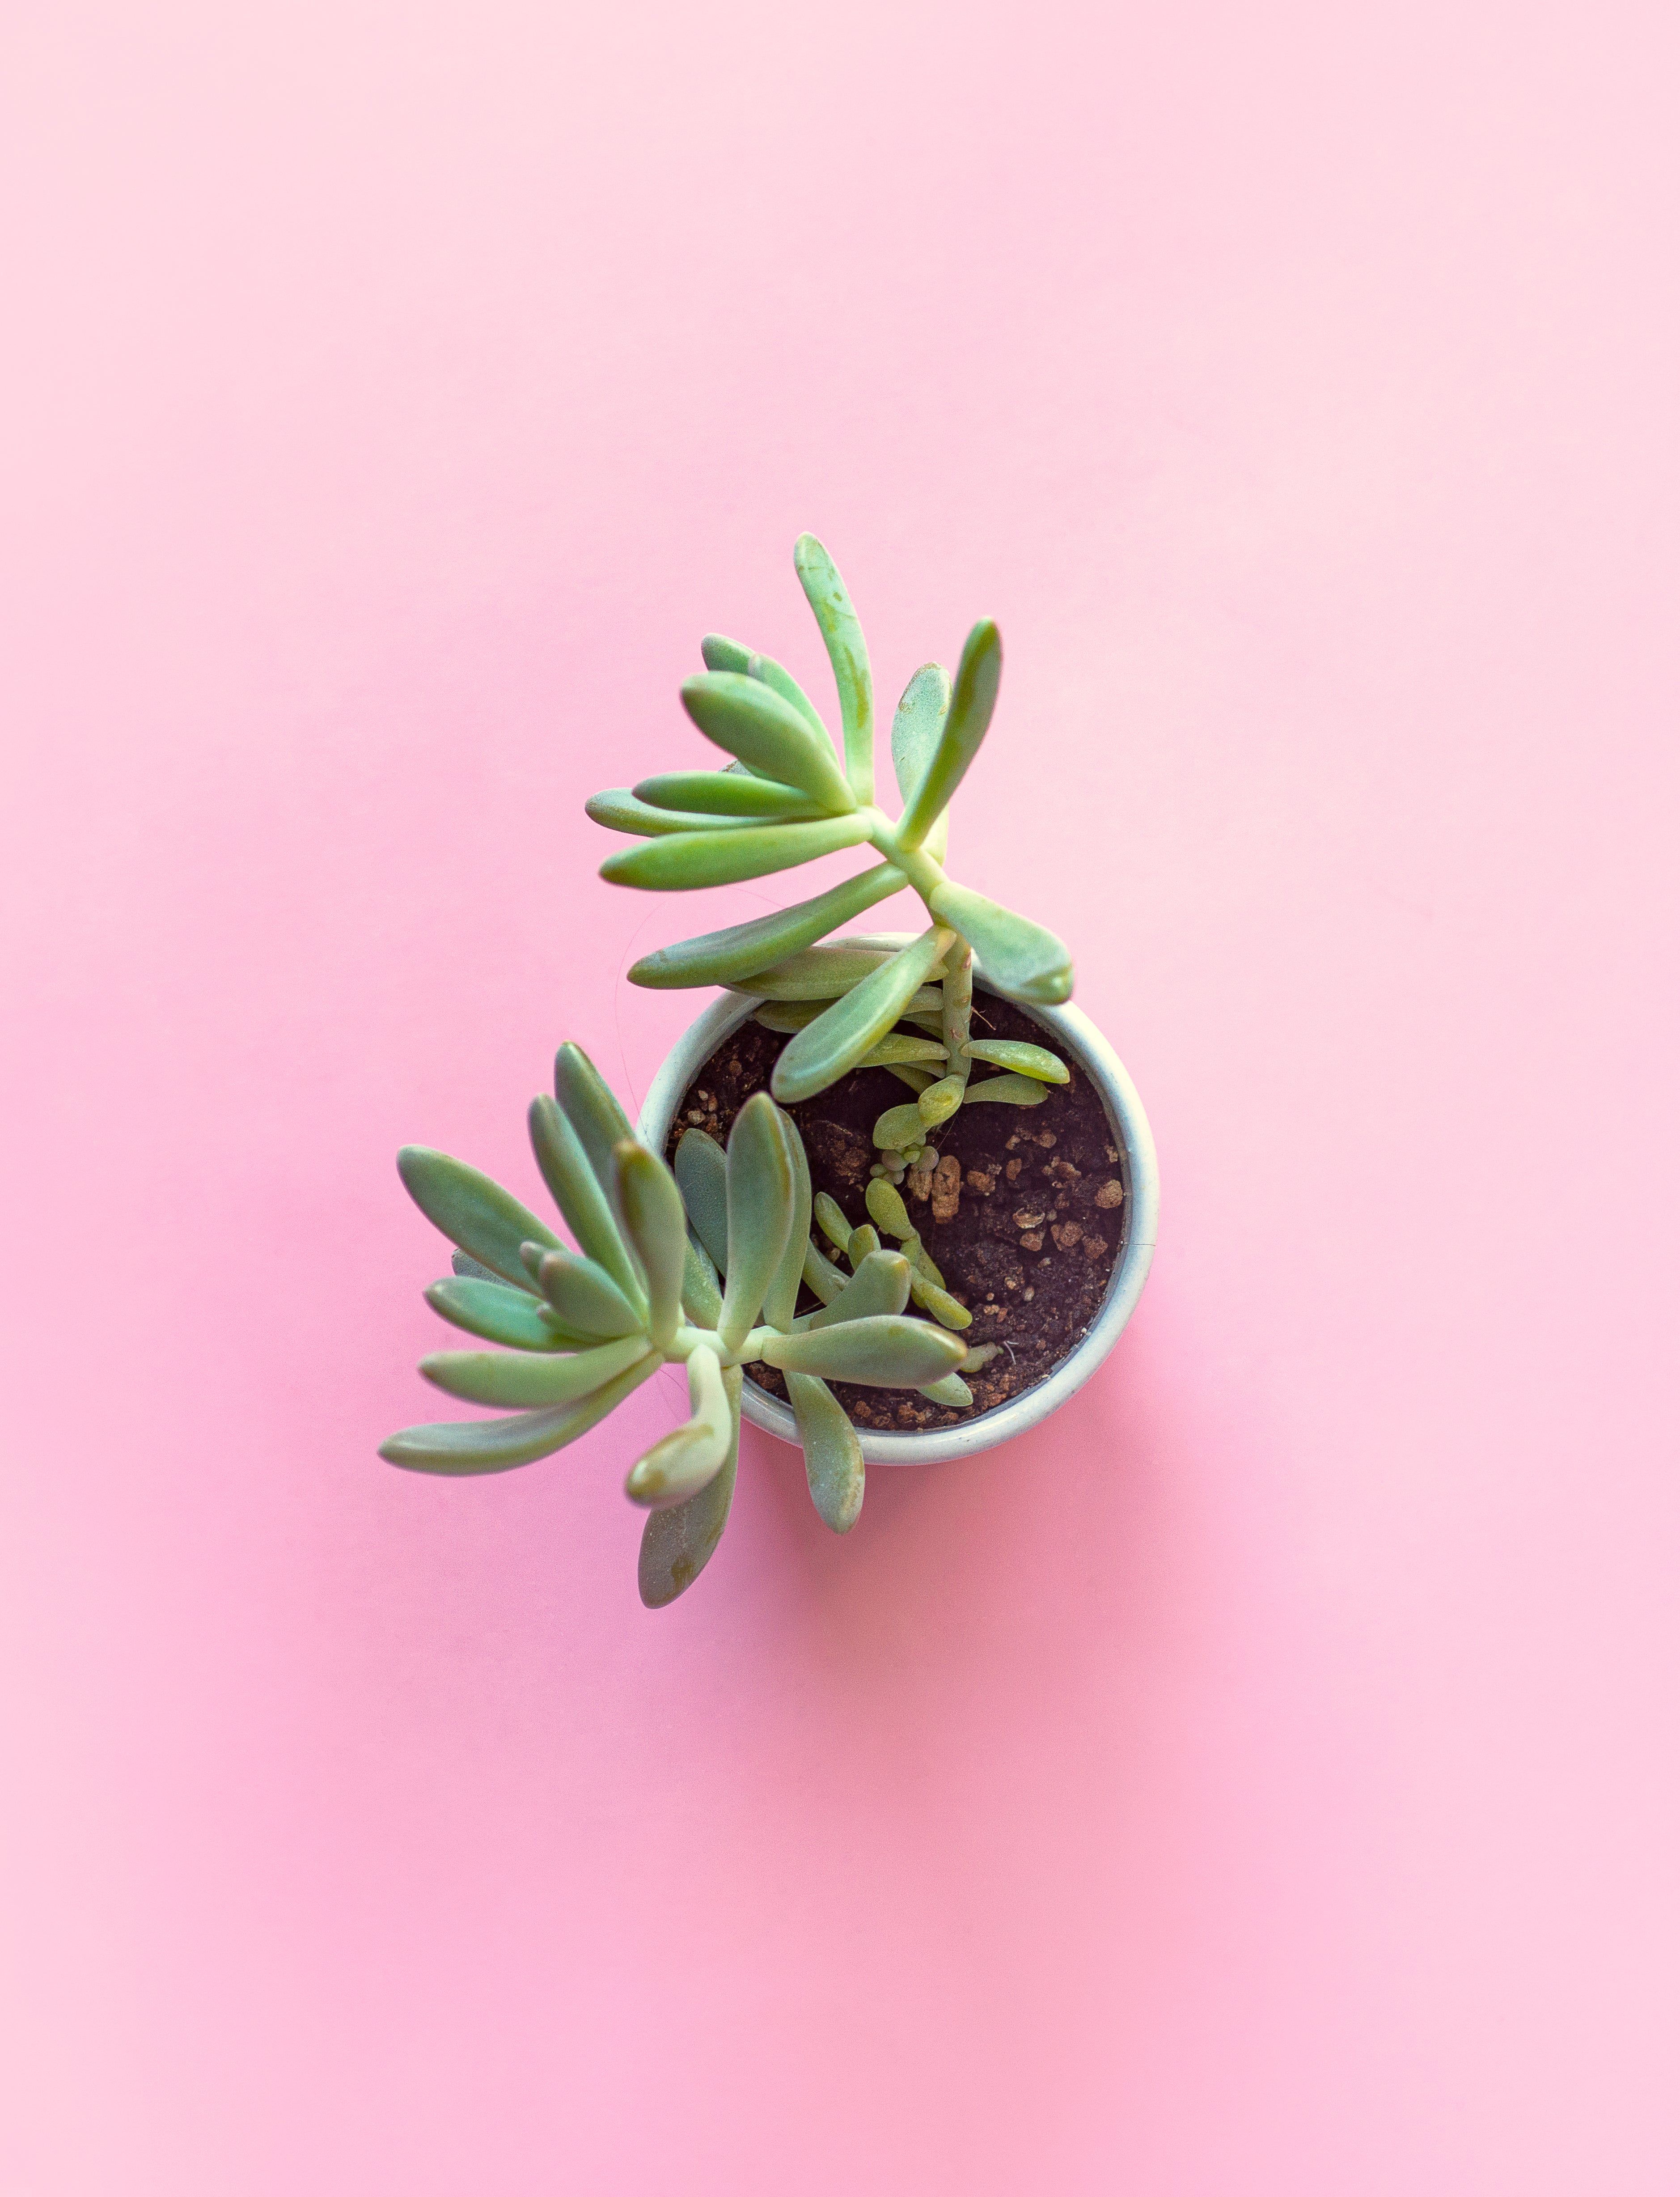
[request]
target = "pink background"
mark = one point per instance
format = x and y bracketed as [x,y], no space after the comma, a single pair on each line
[1262,1780]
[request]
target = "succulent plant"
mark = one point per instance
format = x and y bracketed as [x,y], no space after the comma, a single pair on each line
[702,1269]
[788,797]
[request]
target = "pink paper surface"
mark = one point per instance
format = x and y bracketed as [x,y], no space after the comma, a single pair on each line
[1262,1779]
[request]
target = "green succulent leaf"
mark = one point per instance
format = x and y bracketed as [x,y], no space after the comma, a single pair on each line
[751,721]
[833,1454]
[880,1352]
[917,1079]
[650,1204]
[833,1223]
[1007,1091]
[681,1463]
[824,1050]
[1024,960]
[761,1212]
[842,637]
[715,793]
[792,1014]
[702,1177]
[588,1104]
[702,1297]
[585,1295]
[940,1100]
[1025,1059]
[819,972]
[973,697]
[678,1543]
[940,1302]
[718,653]
[499,1314]
[862,1244]
[899,1125]
[881,1284]
[783,1294]
[519,1379]
[458,1447]
[777,676]
[917,723]
[583,1202]
[957,1021]
[487,1222]
[463,1264]
[618,809]
[822,1277]
[897,1049]
[728,957]
[954,1392]
[730,856]
[982,1353]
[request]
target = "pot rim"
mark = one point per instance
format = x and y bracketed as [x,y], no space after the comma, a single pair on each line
[1125,1110]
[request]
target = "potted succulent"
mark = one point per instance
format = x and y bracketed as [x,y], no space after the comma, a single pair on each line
[891,1196]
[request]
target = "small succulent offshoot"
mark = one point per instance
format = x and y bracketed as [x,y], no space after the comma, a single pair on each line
[702,1269]
[791,795]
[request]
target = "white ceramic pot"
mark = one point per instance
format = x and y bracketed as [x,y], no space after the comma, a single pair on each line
[1074,1034]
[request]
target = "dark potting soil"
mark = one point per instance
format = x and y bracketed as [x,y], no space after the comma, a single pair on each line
[1042,1214]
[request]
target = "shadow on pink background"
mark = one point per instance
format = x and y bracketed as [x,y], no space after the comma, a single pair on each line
[1263,1779]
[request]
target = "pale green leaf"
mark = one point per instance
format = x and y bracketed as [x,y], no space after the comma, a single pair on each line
[702,1297]
[783,1292]
[1025,1059]
[939,1101]
[499,1313]
[726,956]
[761,1211]
[729,857]
[822,1277]
[650,1205]
[749,720]
[819,972]
[862,1244]
[881,1284]
[888,1210]
[832,1221]
[958,1010]
[954,1392]
[848,655]
[456,1447]
[585,1295]
[917,724]
[523,1380]
[1022,959]
[718,653]
[833,1454]
[618,809]
[899,1125]
[824,1050]
[790,1014]
[716,793]
[677,1545]
[486,1220]
[917,1079]
[573,1186]
[880,1352]
[1007,1091]
[973,696]
[898,1048]
[681,1463]
[778,676]
[588,1104]
[703,1176]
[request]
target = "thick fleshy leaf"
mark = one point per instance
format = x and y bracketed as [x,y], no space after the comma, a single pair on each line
[1007,1091]
[585,1295]
[650,1205]
[974,694]
[783,1294]
[848,655]
[618,809]
[1023,960]
[898,1048]
[702,1297]
[833,1453]
[588,1104]
[862,1244]
[819,972]
[899,1125]
[823,1278]
[702,1177]
[790,1014]
[954,1392]
[917,723]
[680,1465]
[471,1267]
[729,857]
[777,675]
[940,1100]
[486,1220]
[916,1079]
[718,653]
[957,1017]
[583,1202]
[726,793]
[940,1302]
[677,1545]
[1023,1059]
[826,1213]
[824,1050]
[749,720]
[881,1284]
[880,1352]
[760,1185]
[522,1380]
[500,1314]
[726,957]
[888,1210]
[456,1447]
